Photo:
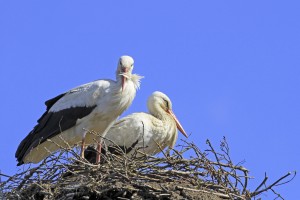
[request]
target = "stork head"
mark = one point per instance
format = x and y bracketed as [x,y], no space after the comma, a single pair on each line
[159,104]
[124,71]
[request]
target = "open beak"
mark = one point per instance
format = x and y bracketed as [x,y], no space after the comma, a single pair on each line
[180,128]
[124,71]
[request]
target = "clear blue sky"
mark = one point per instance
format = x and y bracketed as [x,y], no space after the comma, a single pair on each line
[231,68]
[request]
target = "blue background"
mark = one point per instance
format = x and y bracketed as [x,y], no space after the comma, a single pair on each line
[231,69]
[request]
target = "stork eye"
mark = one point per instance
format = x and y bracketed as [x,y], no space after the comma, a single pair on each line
[167,103]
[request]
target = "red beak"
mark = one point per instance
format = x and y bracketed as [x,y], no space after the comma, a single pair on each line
[180,128]
[124,70]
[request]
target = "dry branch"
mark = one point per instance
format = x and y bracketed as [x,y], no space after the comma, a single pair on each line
[66,176]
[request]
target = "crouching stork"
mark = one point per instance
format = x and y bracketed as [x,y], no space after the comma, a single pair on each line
[148,133]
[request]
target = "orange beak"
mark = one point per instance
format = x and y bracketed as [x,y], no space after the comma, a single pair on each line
[124,70]
[180,128]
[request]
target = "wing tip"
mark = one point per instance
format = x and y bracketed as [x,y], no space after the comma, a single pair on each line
[20,162]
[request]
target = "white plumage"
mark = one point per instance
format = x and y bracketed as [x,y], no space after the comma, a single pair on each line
[92,106]
[148,133]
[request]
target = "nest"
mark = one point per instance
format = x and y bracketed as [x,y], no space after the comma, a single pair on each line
[184,173]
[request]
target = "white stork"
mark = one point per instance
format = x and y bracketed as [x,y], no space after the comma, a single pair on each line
[70,116]
[148,133]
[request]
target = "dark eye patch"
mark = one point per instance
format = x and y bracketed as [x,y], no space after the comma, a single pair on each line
[167,103]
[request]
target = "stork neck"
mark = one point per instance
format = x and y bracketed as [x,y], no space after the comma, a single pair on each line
[134,78]
[119,78]
[158,112]
[168,127]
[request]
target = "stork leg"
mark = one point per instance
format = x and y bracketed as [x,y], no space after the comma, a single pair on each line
[168,152]
[82,145]
[98,156]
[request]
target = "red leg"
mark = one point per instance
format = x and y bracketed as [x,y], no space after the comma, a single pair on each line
[98,153]
[82,146]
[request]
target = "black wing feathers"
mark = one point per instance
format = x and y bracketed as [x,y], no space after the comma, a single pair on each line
[49,125]
[49,103]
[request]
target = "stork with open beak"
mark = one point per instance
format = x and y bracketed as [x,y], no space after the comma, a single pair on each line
[148,133]
[71,116]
